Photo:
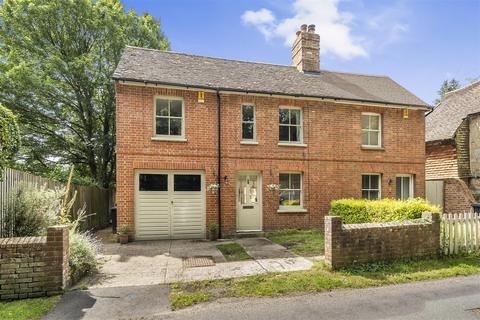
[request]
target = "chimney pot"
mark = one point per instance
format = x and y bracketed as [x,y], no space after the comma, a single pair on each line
[311,28]
[303,28]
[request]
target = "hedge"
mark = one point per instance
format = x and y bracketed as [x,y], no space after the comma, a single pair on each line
[364,211]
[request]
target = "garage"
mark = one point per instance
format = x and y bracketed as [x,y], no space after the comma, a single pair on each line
[169,205]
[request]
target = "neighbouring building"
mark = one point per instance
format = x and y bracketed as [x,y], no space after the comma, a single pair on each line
[453,150]
[187,124]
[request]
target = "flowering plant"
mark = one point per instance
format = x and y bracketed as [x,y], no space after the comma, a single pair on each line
[273,187]
[213,188]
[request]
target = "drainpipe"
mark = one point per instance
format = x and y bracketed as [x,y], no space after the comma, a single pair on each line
[219,177]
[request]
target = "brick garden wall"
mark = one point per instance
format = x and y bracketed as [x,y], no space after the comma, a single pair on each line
[370,242]
[34,266]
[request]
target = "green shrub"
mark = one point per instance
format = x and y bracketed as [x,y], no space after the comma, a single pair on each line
[363,211]
[31,210]
[82,258]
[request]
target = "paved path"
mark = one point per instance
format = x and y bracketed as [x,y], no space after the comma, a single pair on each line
[449,299]
[156,262]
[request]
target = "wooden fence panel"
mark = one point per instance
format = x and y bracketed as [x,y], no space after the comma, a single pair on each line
[97,201]
[461,232]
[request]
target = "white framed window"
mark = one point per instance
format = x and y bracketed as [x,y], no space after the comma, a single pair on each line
[290,121]
[169,119]
[248,122]
[290,190]
[371,129]
[404,186]
[371,186]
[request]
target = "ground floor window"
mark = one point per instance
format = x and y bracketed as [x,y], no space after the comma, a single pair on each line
[371,186]
[404,186]
[290,190]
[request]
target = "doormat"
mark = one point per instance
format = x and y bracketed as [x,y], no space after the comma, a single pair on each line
[198,261]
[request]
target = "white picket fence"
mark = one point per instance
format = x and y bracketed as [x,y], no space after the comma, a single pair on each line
[461,232]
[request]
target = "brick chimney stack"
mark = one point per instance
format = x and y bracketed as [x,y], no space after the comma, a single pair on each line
[306,49]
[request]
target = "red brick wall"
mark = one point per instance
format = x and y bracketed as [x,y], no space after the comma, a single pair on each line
[34,266]
[370,242]
[332,162]
[457,196]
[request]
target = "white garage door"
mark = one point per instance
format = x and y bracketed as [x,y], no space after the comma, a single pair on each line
[169,205]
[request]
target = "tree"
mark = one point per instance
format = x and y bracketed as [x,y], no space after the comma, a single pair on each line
[447,86]
[56,62]
[9,137]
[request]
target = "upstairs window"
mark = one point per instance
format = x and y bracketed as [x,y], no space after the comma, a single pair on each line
[169,118]
[290,125]
[371,130]
[248,122]
[371,186]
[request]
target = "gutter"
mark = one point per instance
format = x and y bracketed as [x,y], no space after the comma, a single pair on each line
[219,164]
[246,91]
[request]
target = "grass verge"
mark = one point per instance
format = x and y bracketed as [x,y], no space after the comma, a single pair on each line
[233,252]
[321,278]
[302,242]
[27,309]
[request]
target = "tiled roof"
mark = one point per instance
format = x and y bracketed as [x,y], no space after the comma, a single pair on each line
[443,121]
[163,67]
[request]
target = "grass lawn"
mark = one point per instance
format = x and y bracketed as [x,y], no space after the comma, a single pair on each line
[27,308]
[302,242]
[321,278]
[233,252]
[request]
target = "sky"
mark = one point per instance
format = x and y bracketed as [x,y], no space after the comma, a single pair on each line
[418,43]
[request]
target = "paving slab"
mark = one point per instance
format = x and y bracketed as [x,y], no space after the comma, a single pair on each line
[262,248]
[134,302]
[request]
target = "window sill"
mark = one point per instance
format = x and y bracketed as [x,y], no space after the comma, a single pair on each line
[286,144]
[169,139]
[372,148]
[292,210]
[249,142]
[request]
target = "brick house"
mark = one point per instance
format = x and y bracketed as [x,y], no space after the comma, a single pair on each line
[187,122]
[453,150]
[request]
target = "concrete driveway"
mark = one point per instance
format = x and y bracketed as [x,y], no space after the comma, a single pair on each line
[144,263]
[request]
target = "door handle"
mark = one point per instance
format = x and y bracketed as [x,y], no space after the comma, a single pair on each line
[171,202]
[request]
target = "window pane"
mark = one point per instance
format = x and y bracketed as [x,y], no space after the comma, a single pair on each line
[175,127]
[365,122]
[365,194]
[153,182]
[294,116]
[284,183]
[374,122]
[284,198]
[283,116]
[162,107]
[162,125]
[294,198]
[365,182]
[295,181]
[247,131]
[247,113]
[294,133]
[365,138]
[406,187]
[373,138]
[187,182]
[374,183]
[399,188]
[175,108]
[373,195]
[283,133]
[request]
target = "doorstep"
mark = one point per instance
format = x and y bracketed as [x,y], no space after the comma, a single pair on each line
[249,234]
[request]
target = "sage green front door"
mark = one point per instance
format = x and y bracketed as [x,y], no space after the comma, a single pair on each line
[249,202]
